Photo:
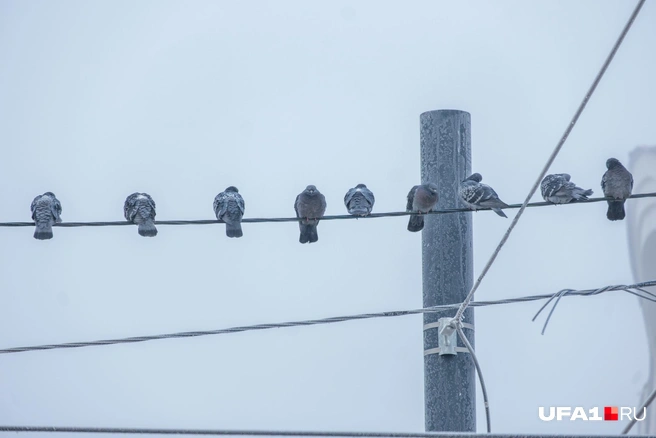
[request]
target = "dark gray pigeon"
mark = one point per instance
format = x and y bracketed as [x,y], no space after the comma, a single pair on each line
[46,211]
[558,189]
[359,200]
[229,207]
[421,199]
[616,183]
[139,209]
[310,205]
[476,195]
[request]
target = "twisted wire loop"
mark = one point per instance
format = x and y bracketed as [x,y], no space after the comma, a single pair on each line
[633,290]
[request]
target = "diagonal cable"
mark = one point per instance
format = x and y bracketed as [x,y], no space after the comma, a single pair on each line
[460,313]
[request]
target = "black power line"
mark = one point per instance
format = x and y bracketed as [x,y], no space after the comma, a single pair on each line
[286,433]
[294,219]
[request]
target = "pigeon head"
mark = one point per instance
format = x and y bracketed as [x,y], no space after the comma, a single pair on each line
[565,176]
[311,190]
[360,186]
[476,177]
[611,163]
[52,195]
[432,188]
[232,189]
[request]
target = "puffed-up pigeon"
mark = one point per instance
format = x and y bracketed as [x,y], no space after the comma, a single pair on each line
[476,195]
[139,208]
[46,211]
[310,205]
[616,183]
[359,200]
[558,189]
[229,207]
[421,199]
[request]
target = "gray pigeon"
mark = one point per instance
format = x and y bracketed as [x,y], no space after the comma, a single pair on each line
[46,211]
[139,209]
[476,195]
[359,200]
[229,207]
[616,183]
[310,205]
[421,199]
[558,189]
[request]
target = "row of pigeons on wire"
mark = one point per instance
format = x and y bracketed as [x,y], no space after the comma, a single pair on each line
[310,205]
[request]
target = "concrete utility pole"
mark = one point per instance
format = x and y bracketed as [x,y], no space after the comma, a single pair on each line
[449,379]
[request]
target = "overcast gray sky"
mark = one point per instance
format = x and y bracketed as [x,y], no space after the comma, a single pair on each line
[181,99]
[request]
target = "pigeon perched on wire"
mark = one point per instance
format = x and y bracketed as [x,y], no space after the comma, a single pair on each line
[46,211]
[139,209]
[421,199]
[229,207]
[476,195]
[616,183]
[359,200]
[310,205]
[558,189]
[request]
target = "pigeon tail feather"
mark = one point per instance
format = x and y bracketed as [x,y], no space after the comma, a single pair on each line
[615,210]
[43,232]
[308,233]
[147,229]
[234,230]
[500,203]
[580,194]
[416,223]
[359,211]
[499,212]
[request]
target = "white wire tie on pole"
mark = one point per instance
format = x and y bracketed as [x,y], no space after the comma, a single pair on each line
[447,343]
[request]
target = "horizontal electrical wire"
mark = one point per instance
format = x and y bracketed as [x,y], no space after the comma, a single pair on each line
[293,433]
[634,289]
[294,219]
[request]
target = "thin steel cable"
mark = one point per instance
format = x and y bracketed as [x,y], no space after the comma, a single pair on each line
[331,320]
[294,433]
[460,313]
[472,353]
[294,219]
[645,405]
